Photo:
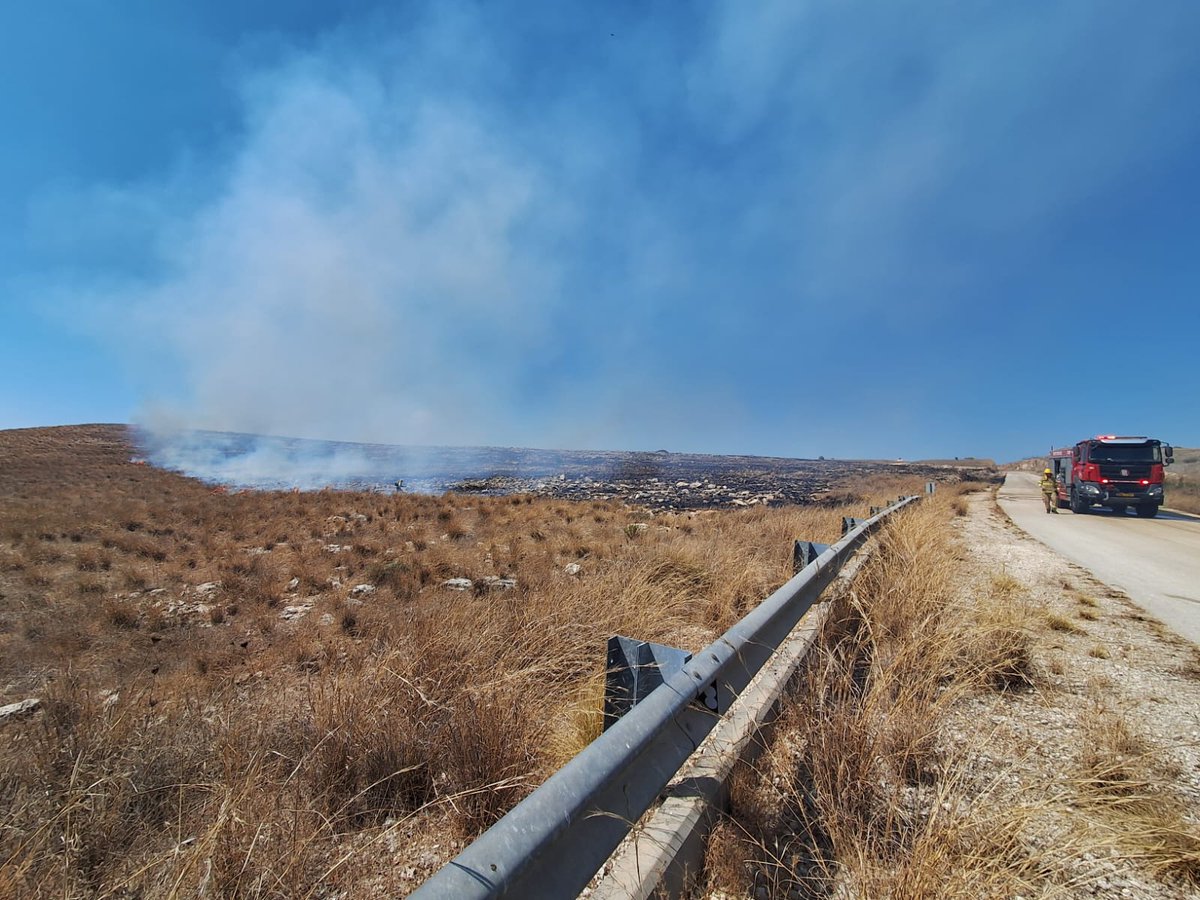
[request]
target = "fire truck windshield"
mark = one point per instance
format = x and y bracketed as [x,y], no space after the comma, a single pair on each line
[1120,453]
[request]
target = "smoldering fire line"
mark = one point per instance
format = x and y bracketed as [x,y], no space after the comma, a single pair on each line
[658,479]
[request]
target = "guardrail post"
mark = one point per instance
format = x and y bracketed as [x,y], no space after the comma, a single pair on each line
[849,523]
[930,487]
[633,670]
[804,552]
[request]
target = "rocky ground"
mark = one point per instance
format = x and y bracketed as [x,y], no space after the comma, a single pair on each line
[660,480]
[1112,716]
[682,482]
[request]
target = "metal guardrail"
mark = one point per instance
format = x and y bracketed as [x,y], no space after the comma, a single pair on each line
[553,842]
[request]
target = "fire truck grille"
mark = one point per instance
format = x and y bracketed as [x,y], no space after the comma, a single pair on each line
[1124,471]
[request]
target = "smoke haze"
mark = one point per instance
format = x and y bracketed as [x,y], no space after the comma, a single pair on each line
[489,224]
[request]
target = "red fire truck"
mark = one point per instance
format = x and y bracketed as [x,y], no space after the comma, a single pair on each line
[1117,471]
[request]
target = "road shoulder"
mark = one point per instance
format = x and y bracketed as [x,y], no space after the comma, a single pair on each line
[1114,687]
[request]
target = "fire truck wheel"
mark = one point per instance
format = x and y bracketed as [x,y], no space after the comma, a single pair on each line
[1077,504]
[1147,510]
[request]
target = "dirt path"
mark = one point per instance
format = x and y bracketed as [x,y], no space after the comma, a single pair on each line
[1104,750]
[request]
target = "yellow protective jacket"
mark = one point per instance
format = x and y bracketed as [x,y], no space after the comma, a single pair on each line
[1049,486]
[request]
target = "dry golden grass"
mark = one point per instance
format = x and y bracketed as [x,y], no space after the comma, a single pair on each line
[225,714]
[1128,784]
[864,792]
[860,787]
[1056,622]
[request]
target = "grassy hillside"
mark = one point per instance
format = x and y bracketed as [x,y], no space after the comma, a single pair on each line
[250,694]
[1183,480]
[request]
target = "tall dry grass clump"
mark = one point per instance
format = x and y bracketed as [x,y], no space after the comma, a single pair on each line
[1127,784]
[861,788]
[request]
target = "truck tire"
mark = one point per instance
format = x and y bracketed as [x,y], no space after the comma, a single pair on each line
[1147,510]
[1077,505]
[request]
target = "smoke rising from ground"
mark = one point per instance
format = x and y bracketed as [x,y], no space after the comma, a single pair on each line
[490,225]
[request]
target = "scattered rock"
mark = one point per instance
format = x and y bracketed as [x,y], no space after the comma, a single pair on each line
[208,587]
[293,584]
[336,548]
[362,590]
[496,583]
[19,710]
[295,612]
[458,584]
[326,619]
[574,569]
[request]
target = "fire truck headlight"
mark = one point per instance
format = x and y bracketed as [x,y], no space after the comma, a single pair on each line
[1089,488]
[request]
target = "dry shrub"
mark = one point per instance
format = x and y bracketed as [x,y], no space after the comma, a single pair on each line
[121,613]
[581,722]
[1128,784]
[92,559]
[997,650]
[1062,624]
[860,788]
[99,778]
[1085,599]
[255,580]
[493,751]
[373,732]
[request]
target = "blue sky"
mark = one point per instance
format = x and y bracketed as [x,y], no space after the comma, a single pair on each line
[790,228]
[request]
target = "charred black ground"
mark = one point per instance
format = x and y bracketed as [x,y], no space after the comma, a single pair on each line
[659,479]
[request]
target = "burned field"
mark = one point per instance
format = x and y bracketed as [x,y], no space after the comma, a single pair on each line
[677,481]
[658,480]
[252,693]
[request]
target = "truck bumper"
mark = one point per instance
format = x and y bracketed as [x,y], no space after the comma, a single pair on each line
[1120,495]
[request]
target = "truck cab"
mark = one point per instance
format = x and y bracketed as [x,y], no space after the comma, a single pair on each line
[1117,471]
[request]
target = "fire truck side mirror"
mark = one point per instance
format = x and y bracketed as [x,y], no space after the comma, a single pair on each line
[1168,454]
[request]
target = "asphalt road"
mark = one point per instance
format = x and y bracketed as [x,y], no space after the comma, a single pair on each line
[1155,561]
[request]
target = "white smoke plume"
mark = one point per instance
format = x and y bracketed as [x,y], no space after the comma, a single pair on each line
[470,227]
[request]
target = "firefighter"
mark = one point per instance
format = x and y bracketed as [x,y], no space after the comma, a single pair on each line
[1049,491]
